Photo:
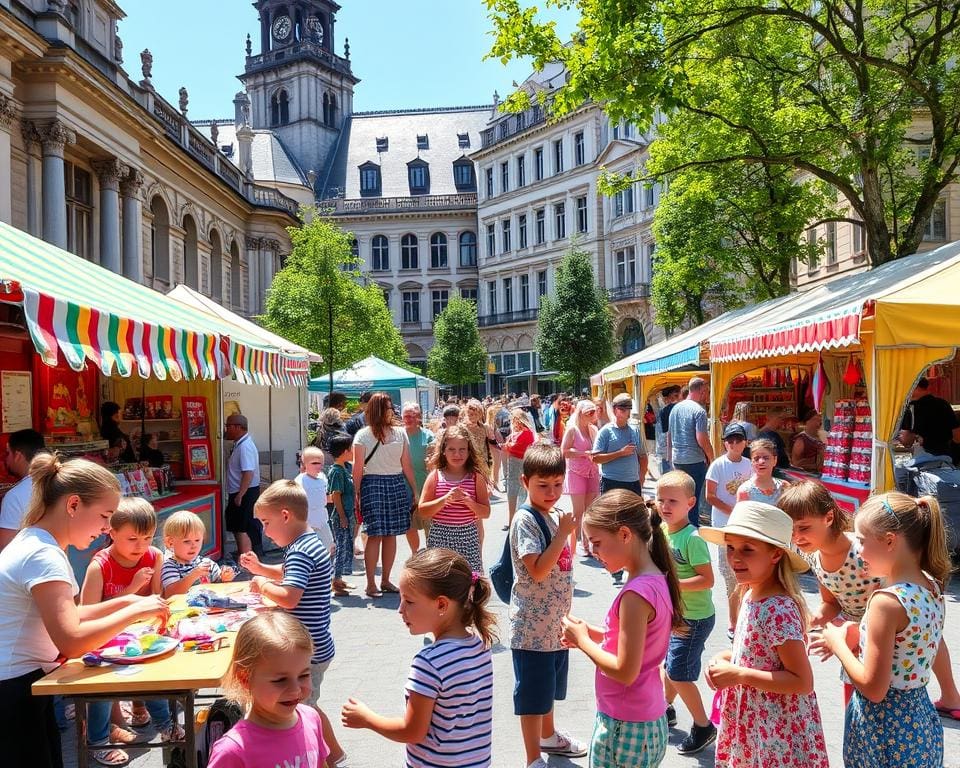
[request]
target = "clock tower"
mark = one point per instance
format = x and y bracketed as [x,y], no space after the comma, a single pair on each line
[298,86]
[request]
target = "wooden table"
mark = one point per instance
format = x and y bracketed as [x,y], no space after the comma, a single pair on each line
[176,677]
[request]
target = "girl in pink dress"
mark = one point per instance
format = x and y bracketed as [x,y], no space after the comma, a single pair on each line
[582,481]
[769,712]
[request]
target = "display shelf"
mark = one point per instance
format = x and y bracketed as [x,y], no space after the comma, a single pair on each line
[78,448]
[149,421]
[734,390]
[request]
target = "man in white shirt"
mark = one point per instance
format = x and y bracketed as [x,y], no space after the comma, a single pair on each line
[243,487]
[21,448]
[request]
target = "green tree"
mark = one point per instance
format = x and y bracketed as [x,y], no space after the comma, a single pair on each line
[574,327]
[862,96]
[457,356]
[316,300]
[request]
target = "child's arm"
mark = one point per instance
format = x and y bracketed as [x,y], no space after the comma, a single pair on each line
[284,595]
[337,498]
[92,590]
[703,579]
[635,613]
[251,562]
[795,677]
[828,610]
[714,500]
[539,564]
[430,504]
[156,585]
[409,729]
[742,495]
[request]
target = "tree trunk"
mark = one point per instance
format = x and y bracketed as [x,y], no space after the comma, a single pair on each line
[875,219]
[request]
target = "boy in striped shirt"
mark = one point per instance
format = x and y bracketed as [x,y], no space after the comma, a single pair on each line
[301,585]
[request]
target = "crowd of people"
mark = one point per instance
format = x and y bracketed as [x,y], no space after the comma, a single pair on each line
[381,474]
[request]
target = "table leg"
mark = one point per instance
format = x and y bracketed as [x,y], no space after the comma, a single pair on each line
[189,728]
[80,719]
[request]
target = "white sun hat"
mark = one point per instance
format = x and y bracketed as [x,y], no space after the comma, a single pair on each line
[763,522]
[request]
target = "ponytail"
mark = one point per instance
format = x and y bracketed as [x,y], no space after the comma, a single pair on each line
[935,557]
[475,610]
[54,479]
[663,559]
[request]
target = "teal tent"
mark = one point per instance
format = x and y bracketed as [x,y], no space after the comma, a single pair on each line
[378,375]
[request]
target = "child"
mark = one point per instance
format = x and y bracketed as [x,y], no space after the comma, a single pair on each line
[514,447]
[724,477]
[769,712]
[890,719]
[455,497]
[314,483]
[448,718]
[301,585]
[630,647]
[541,596]
[129,566]
[342,520]
[762,486]
[270,678]
[183,535]
[676,496]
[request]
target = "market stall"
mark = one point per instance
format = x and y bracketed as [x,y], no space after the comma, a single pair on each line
[372,373]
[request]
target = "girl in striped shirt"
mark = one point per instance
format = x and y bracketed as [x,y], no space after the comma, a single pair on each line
[455,497]
[448,717]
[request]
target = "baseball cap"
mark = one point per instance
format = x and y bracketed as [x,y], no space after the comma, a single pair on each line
[734,430]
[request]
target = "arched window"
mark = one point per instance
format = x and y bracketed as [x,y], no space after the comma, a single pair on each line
[236,296]
[279,108]
[160,239]
[381,253]
[326,109]
[438,251]
[468,249]
[633,338]
[332,112]
[216,267]
[409,252]
[191,266]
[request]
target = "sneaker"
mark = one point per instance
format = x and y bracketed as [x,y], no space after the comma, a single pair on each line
[730,634]
[671,716]
[563,744]
[539,763]
[700,736]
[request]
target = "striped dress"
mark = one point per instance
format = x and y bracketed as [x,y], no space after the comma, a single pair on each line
[455,526]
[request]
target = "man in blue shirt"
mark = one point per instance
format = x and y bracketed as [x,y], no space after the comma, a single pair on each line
[690,439]
[620,451]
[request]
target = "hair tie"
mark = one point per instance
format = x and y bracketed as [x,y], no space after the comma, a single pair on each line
[474,577]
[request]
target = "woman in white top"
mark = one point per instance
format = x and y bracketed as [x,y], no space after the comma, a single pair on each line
[383,483]
[40,622]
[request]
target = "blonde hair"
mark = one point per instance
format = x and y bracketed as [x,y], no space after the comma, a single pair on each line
[54,479]
[763,444]
[183,523]
[267,633]
[575,421]
[741,411]
[521,415]
[136,512]
[310,452]
[285,494]
[678,479]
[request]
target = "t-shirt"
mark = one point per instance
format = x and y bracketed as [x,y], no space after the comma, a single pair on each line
[32,558]
[728,475]
[537,607]
[688,551]
[686,419]
[15,503]
[457,674]
[355,423]
[173,571]
[245,458]
[418,453]
[612,438]
[248,745]
[316,490]
[306,566]
[340,480]
[386,461]
[665,417]
[934,420]
[118,577]
[641,701]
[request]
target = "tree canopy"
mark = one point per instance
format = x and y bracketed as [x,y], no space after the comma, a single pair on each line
[317,301]
[457,356]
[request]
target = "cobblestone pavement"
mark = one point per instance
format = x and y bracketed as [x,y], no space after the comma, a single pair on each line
[374,651]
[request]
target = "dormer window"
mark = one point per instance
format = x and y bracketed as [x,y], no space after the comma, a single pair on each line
[423,141]
[383,144]
[463,140]
[463,175]
[370,185]
[418,173]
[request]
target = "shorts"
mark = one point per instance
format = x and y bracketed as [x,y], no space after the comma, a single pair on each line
[239,517]
[316,678]
[577,484]
[623,744]
[541,679]
[685,652]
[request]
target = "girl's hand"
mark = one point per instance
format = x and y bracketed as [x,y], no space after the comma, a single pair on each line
[575,631]
[344,525]
[227,574]
[140,579]
[355,714]
[456,494]
[833,637]
[722,674]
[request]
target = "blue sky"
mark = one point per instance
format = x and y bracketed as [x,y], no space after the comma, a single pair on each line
[407,53]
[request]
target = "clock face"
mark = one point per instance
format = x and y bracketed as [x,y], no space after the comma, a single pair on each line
[282,27]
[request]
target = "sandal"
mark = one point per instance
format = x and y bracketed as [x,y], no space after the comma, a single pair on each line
[110,757]
[140,718]
[375,593]
[948,712]
[120,735]
[389,589]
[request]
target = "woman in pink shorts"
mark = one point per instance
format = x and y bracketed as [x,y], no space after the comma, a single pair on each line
[582,481]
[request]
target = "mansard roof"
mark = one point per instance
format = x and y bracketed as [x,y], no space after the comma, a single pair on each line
[271,159]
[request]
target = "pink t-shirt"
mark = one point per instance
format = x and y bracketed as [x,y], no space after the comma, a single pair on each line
[248,745]
[643,700]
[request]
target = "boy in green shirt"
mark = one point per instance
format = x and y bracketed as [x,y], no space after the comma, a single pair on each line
[676,496]
[342,519]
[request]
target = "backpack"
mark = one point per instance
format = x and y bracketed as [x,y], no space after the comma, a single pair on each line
[219,718]
[939,479]
[501,572]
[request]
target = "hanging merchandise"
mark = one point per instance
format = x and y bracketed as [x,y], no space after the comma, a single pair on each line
[852,375]
[820,383]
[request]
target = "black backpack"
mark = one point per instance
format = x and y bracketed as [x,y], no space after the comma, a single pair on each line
[501,572]
[221,716]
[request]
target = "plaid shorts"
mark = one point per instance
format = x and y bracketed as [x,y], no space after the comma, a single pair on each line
[621,744]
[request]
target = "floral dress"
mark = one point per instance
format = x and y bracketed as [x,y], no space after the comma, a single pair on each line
[759,729]
[903,729]
[851,584]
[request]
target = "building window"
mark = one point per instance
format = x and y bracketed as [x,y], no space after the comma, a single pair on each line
[579,149]
[492,296]
[626,267]
[423,141]
[524,291]
[79,211]
[623,202]
[831,243]
[649,195]
[559,221]
[468,249]
[463,140]
[538,163]
[438,251]
[813,258]
[859,238]
[440,298]
[380,250]
[463,176]
[491,241]
[489,174]
[581,203]
[558,156]
[418,174]
[627,129]
[541,216]
[279,108]
[409,252]
[411,306]
[508,294]
[160,246]
[383,143]
[936,228]
[521,171]
[369,179]
[330,110]
[504,177]
[522,230]
[470,294]
[505,234]
[542,283]
[615,130]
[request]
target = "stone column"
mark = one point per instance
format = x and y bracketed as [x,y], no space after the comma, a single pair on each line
[109,172]
[30,146]
[54,136]
[132,224]
[254,270]
[8,114]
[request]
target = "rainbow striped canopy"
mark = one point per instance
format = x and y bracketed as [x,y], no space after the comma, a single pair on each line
[88,314]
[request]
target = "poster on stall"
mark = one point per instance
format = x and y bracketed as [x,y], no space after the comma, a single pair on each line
[196,438]
[16,400]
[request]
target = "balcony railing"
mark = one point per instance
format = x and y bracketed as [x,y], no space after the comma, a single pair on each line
[505,318]
[308,50]
[627,292]
[359,206]
[511,125]
[270,198]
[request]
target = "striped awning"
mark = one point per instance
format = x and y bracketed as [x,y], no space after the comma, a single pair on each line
[90,315]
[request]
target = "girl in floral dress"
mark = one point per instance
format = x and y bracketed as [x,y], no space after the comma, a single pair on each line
[890,719]
[762,485]
[769,712]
